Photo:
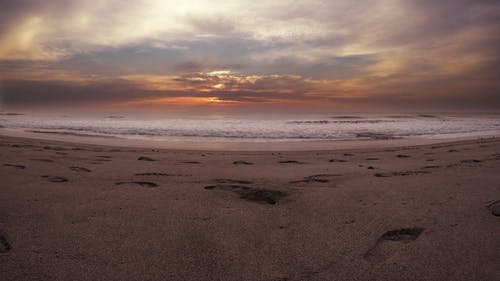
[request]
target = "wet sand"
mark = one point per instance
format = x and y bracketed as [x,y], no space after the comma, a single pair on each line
[86,212]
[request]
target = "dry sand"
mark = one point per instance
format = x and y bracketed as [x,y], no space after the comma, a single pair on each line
[86,212]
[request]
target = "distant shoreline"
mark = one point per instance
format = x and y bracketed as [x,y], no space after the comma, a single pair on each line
[302,145]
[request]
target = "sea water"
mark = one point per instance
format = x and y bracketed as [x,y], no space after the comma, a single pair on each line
[256,128]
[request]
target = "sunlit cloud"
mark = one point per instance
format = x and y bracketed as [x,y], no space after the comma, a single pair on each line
[314,52]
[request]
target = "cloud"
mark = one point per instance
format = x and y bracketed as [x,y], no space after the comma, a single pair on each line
[222,85]
[310,50]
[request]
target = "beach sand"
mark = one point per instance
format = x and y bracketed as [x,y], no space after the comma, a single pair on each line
[87,212]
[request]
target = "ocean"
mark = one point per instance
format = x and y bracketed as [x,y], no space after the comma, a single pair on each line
[230,128]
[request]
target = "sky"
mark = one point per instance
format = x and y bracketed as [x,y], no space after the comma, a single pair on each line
[337,54]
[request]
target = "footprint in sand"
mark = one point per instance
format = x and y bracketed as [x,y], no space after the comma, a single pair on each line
[144,158]
[79,169]
[257,195]
[431,167]
[398,174]
[495,208]
[290,162]
[231,181]
[154,174]
[141,183]
[263,196]
[390,242]
[337,161]
[53,148]
[21,167]
[471,161]
[191,162]
[239,162]
[232,187]
[4,244]
[43,160]
[322,178]
[55,178]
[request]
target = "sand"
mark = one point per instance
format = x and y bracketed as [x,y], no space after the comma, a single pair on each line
[87,212]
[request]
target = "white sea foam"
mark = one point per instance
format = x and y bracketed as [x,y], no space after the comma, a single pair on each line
[252,129]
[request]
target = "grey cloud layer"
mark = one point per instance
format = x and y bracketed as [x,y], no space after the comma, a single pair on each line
[387,48]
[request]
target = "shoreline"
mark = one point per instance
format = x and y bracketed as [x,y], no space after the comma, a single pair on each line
[283,146]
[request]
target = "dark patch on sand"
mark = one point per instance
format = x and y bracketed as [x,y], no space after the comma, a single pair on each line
[232,187]
[145,158]
[337,161]
[191,162]
[239,162]
[154,174]
[4,245]
[403,234]
[263,195]
[258,195]
[55,178]
[405,173]
[402,156]
[370,168]
[43,160]
[348,154]
[381,249]
[103,156]
[56,148]
[231,181]
[471,161]
[21,167]
[431,167]
[372,159]
[79,169]
[321,178]
[141,183]
[290,162]
[22,145]
[495,208]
